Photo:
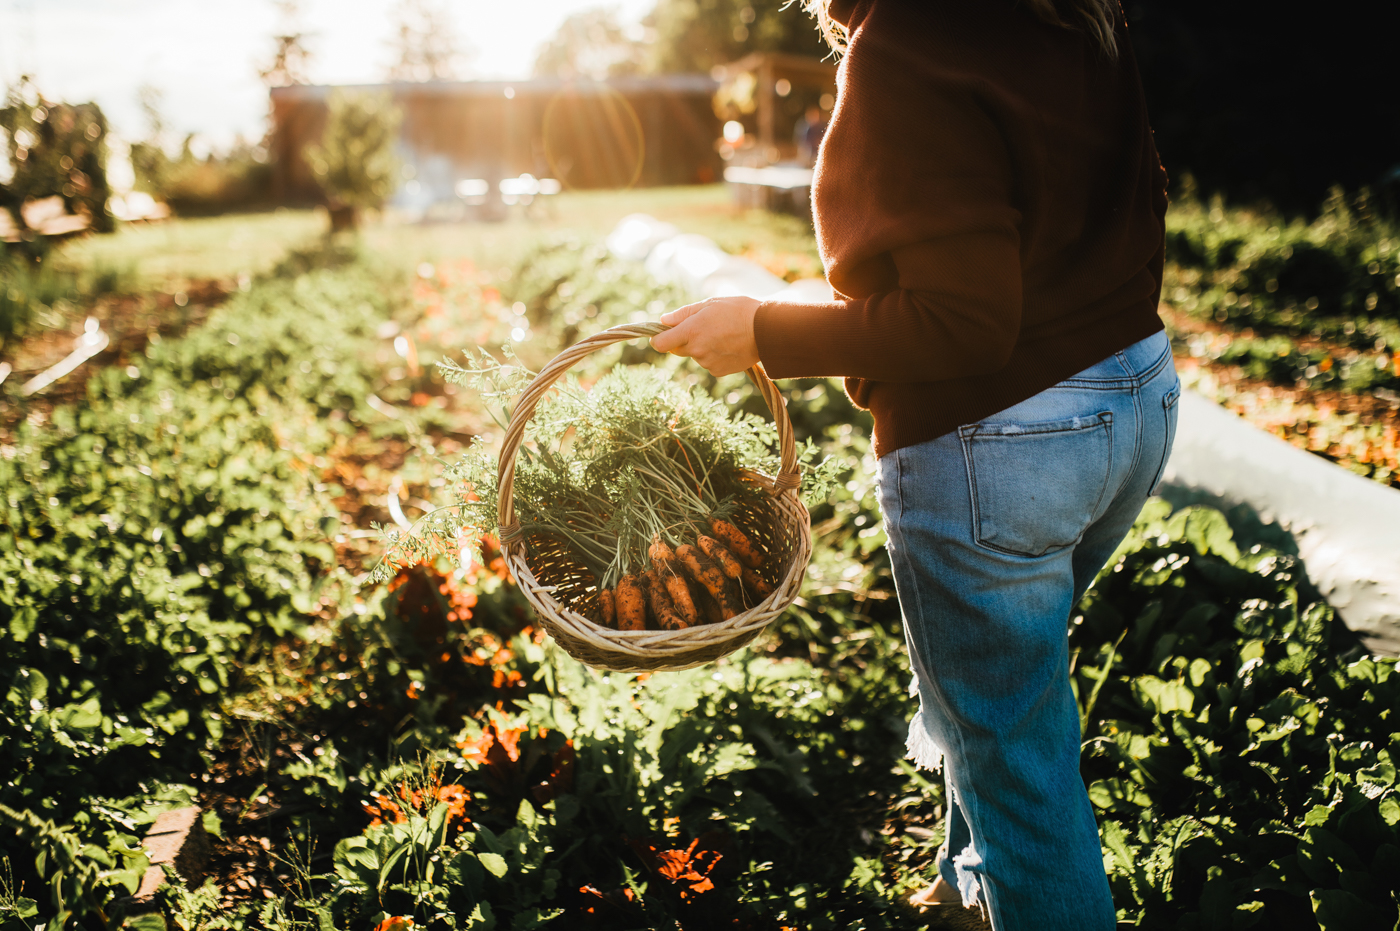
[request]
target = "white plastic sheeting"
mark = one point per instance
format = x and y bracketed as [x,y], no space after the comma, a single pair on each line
[1347,527]
[689,260]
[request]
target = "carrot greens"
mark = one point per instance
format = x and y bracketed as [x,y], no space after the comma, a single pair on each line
[604,469]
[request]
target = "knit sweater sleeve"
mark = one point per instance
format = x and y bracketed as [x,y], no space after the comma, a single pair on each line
[914,204]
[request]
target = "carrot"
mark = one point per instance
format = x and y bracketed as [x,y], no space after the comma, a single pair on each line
[605,607]
[740,545]
[695,565]
[661,606]
[757,583]
[631,606]
[709,608]
[664,562]
[716,551]
[680,596]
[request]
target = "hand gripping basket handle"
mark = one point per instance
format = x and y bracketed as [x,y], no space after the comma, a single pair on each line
[786,481]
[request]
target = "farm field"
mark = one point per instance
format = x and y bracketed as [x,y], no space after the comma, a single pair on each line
[184,617]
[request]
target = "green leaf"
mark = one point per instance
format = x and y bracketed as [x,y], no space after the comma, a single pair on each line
[1163,696]
[1336,910]
[494,863]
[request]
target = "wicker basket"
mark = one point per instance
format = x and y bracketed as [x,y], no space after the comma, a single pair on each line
[780,527]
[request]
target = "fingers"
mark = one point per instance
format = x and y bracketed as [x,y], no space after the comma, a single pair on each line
[674,339]
[673,317]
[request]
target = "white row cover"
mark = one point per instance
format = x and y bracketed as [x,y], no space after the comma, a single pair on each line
[1347,527]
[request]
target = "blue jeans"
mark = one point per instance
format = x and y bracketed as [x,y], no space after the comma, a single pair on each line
[995,531]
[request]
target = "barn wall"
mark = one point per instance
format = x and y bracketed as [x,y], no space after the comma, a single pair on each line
[638,132]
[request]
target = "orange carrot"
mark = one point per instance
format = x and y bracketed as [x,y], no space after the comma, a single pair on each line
[605,607]
[757,583]
[709,608]
[680,595]
[738,543]
[699,568]
[716,551]
[631,605]
[661,606]
[664,562]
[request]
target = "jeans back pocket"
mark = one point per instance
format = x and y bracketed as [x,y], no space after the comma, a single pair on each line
[1036,487]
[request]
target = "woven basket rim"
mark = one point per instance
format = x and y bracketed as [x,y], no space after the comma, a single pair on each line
[650,650]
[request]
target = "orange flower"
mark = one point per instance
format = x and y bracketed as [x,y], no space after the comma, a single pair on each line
[396,923]
[474,751]
[506,678]
[456,798]
[384,811]
[510,741]
[690,868]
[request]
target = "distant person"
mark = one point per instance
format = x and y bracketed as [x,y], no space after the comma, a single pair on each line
[807,133]
[989,205]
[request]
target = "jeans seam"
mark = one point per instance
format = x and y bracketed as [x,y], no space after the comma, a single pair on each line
[1136,380]
[1169,401]
[899,480]
[1137,440]
[968,470]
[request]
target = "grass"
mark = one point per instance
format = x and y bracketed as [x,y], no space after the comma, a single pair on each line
[172,254]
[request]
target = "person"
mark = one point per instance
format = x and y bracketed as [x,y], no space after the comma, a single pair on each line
[807,134]
[989,205]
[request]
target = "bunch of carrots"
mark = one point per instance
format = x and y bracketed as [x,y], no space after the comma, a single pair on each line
[629,497]
[702,584]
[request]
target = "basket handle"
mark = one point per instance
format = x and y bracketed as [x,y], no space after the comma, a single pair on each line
[786,481]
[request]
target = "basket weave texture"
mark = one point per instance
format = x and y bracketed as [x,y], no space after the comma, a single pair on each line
[782,529]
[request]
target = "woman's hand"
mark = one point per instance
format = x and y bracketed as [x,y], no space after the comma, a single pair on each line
[717,333]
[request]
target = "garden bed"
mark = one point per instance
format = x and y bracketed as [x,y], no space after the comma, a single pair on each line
[1296,327]
[181,623]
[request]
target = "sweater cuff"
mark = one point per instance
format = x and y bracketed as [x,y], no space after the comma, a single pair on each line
[796,340]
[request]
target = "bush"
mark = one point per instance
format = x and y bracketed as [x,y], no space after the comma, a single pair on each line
[355,163]
[1337,278]
[1240,749]
[55,150]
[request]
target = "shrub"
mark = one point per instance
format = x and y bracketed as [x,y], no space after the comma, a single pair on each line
[55,150]
[1338,277]
[355,163]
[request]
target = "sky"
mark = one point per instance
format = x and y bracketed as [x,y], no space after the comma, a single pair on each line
[203,55]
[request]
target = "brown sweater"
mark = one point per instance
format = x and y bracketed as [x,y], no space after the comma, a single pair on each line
[989,207]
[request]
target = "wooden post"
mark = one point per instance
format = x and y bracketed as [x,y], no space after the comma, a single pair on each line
[766,108]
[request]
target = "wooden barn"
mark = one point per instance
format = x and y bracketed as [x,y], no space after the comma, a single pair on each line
[621,133]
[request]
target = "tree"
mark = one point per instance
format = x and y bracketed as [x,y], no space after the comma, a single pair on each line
[425,43]
[290,57]
[54,150]
[149,161]
[696,35]
[355,163]
[591,44]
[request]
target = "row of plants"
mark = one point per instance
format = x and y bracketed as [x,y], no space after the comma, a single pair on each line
[1293,325]
[181,622]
